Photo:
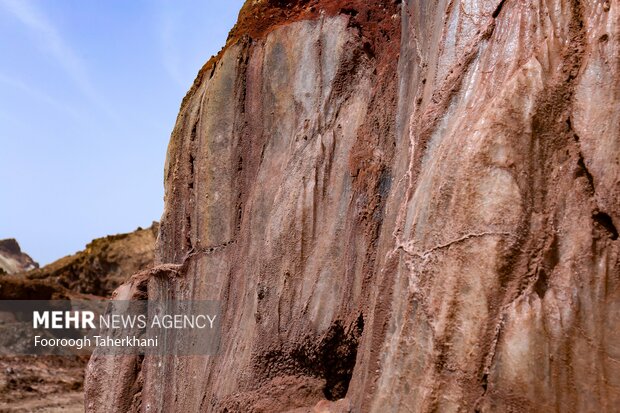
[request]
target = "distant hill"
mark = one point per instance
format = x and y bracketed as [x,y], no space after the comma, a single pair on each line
[12,259]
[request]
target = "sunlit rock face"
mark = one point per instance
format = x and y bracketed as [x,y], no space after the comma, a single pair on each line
[402,207]
[506,276]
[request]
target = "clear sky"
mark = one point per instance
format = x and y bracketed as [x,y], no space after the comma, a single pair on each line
[89,93]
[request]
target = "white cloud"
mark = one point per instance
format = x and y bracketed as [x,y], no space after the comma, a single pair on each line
[38,95]
[38,23]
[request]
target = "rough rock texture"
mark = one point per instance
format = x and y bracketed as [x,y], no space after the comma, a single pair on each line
[506,274]
[424,230]
[12,259]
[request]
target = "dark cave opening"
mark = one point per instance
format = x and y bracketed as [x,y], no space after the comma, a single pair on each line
[607,223]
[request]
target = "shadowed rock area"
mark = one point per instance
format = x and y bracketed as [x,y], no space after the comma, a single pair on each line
[402,206]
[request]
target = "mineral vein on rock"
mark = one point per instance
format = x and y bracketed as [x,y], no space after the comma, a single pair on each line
[402,207]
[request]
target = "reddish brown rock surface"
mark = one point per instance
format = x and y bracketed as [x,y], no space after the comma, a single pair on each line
[425,223]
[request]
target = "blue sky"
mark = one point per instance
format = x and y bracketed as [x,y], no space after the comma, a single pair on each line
[89,93]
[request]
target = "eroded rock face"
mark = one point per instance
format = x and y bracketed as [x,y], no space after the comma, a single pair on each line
[506,273]
[430,229]
[12,259]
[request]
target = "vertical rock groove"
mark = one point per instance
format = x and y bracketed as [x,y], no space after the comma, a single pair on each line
[402,206]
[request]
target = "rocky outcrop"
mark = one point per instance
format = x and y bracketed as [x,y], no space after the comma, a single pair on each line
[402,207]
[96,271]
[103,265]
[12,259]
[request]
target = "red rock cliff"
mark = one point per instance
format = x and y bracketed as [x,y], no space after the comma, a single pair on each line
[402,207]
